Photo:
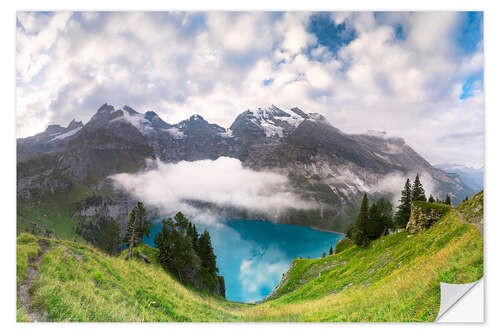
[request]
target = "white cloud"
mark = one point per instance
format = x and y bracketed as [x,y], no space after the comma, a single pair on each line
[224,182]
[240,32]
[215,64]
[393,184]
[430,31]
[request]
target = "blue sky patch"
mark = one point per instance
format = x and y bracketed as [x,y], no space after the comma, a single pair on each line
[329,35]
[470,32]
[470,85]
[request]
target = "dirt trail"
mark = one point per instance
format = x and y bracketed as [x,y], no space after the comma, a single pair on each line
[24,290]
[478,226]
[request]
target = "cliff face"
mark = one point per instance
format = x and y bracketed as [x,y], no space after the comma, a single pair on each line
[424,215]
[94,207]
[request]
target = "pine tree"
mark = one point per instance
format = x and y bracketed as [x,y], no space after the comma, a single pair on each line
[193,234]
[331,251]
[206,253]
[175,251]
[110,237]
[188,255]
[143,225]
[137,227]
[418,193]
[404,209]
[359,232]
[323,255]
[379,219]
[132,233]
[447,200]
[431,198]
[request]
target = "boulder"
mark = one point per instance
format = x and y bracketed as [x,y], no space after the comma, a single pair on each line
[424,215]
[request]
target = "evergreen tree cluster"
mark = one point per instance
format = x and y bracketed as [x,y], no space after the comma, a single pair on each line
[372,221]
[188,255]
[410,193]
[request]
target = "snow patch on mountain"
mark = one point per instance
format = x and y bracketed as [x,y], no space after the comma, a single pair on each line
[227,134]
[137,120]
[67,134]
[275,121]
[176,133]
[271,130]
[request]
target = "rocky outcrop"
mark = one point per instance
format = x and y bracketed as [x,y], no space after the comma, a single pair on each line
[220,286]
[424,215]
[97,206]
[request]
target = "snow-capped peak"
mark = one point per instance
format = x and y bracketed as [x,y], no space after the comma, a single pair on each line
[276,122]
[138,120]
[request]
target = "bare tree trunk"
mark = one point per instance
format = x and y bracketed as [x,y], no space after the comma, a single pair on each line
[131,241]
[384,232]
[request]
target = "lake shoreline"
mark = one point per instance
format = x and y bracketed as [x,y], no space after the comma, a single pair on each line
[326,230]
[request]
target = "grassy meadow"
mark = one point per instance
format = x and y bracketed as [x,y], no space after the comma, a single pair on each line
[395,278]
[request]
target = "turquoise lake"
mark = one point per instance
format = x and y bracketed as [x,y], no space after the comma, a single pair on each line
[253,255]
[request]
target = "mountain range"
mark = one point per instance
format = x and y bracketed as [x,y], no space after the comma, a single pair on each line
[471,176]
[323,164]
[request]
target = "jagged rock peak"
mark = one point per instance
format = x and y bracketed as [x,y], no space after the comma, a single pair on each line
[54,128]
[299,112]
[196,117]
[129,109]
[74,124]
[150,114]
[106,108]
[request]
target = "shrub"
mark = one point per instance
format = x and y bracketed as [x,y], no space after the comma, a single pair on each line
[343,244]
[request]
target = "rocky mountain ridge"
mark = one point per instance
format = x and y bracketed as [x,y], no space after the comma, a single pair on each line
[322,163]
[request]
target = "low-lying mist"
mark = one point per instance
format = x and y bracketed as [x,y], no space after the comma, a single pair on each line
[223,182]
[393,184]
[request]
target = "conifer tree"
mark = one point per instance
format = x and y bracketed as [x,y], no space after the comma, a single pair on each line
[142,224]
[404,209]
[193,234]
[137,227]
[206,253]
[431,198]
[110,238]
[175,251]
[379,219]
[132,233]
[418,193]
[331,251]
[447,200]
[361,225]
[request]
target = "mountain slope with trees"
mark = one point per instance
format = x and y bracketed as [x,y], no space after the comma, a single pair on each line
[393,278]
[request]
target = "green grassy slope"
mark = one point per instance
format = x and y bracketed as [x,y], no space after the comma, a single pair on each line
[53,212]
[472,209]
[396,278]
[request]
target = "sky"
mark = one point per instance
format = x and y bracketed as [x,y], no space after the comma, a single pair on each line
[416,75]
